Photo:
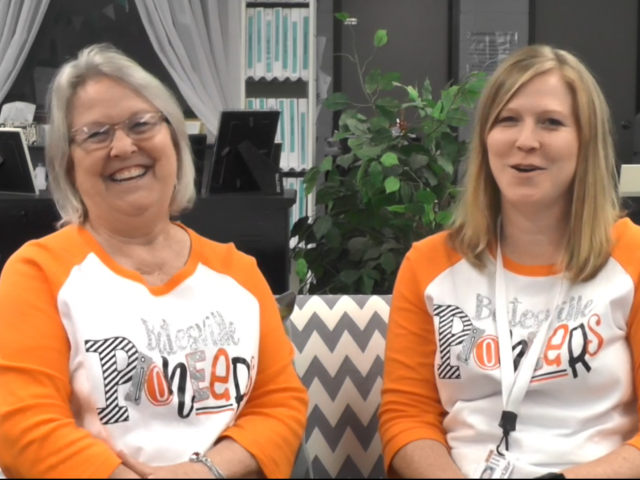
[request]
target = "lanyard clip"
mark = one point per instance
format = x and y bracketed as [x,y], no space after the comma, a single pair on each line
[507,423]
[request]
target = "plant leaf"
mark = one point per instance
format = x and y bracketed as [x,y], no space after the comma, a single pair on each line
[367,284]
[336,101]
[444,217]
[345,160]
[357,127]
[322,226]
[372,82]
[311,179]
[333,237]
[417,161]
[342,16]
[380,38]
[426,197]
[327,164]
[431,178]
[388,262]
[357,247]
[350,276]
[426,89]
[397,208]
[369,152]
[375,174]
[389,159]
[302,269]
[388,80]
[445,163]
[391,184]
[406,193]
[372,253]
[413,93]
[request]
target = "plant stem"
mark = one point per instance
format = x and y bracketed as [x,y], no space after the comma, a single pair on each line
[357,61]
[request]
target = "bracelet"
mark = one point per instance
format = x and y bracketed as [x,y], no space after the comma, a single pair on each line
[197,457]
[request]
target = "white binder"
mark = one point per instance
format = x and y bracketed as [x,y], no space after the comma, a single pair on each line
[306,43]
[284,131]
[268,43]
[286,43]
[260,53]
[277,43]
[251,43]
[296,44]
[303,126]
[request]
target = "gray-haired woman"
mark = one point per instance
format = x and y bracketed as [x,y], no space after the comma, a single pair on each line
[131,346]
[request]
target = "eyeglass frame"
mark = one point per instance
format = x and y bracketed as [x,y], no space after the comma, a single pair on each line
[113,127]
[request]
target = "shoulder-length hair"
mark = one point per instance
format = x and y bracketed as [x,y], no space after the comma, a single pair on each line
[106,61]
[595,204]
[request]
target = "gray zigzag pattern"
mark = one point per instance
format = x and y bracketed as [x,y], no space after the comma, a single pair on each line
[332,300]
[365,434]
[332,385]
[349,469]
[331,338]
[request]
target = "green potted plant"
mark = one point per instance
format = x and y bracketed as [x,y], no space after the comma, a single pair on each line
[394,183]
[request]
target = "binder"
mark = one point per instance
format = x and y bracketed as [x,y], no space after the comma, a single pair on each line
[303,125]
[283,129]
[262,104]
[286,43]
[306,43]
[259,53]
[294,133]
[251,42]
[251,103]
[294,71]
[277,43]
[268,43]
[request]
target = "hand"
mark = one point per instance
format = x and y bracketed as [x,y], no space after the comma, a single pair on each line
[179,470]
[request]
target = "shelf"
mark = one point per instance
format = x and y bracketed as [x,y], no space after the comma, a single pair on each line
[275,81]
[252,4]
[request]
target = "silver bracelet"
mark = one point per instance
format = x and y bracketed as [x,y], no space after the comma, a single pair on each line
[197,457]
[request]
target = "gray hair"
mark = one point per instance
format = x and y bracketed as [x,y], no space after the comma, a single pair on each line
[106,61]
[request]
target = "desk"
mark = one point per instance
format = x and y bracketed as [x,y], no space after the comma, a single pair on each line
[257,224]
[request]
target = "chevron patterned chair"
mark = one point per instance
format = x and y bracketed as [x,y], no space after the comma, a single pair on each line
[339,342]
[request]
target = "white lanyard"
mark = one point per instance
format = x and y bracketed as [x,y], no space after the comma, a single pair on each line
[515,386]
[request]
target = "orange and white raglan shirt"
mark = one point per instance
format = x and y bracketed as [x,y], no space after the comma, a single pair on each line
[442,366]
[166,371]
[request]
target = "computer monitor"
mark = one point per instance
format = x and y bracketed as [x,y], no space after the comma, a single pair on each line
[16,171]
[198,143]
[242,155]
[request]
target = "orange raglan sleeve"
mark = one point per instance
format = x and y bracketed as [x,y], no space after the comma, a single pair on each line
[271,424]
[38,435]
[627,239]
[410,407]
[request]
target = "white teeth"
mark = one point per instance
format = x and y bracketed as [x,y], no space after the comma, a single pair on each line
[128,173]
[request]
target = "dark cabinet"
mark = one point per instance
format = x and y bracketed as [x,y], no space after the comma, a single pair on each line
[258,225]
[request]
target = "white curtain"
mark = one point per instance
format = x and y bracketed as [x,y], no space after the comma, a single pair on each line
[19,23]
[199,43]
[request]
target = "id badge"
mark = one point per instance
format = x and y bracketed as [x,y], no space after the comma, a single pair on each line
[495,466]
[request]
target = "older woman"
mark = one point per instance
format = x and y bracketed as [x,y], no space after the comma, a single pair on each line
[513,346]
[130,345]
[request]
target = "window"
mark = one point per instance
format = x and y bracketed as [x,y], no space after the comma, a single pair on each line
[68,27]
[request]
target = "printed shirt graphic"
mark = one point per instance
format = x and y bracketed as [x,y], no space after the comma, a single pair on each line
[168,369]
[442,365]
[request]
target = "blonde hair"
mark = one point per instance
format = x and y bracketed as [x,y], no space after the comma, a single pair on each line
[595,204]
[106,61]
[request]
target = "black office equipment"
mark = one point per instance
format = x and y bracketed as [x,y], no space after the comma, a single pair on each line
[198,143]
[16,170]
[258,225]
[242,154]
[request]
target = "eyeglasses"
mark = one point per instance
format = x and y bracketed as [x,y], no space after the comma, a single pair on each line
[100,135]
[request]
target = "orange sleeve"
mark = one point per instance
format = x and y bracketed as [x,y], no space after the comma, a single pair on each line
[626,252]
[410,407]
[38,435]
[271,424]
